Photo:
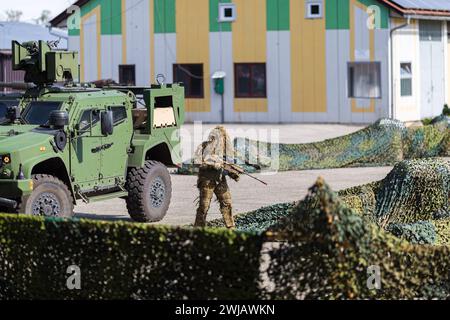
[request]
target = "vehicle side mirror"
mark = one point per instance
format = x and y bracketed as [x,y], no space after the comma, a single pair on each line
[107,123]
[58,119]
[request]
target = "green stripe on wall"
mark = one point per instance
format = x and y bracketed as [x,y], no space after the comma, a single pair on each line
[337,13]
[278,15]
[73,31]
[214,24]
[384,11]
[111,16]
[164,11]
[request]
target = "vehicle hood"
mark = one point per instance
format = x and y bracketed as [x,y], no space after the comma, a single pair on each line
[17,138]
[10,130]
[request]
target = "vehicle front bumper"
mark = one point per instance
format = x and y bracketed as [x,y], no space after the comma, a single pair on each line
[14,189]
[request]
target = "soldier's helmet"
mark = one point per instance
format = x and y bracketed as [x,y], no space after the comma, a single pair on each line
[221,142]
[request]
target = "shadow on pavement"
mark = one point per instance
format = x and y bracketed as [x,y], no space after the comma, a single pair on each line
[104,217]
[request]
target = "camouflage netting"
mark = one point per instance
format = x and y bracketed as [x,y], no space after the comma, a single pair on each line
[428,141]
[258,220]
[384,143]
[330,240]
[125,261]
[415,190]
[318,248]
[329,252]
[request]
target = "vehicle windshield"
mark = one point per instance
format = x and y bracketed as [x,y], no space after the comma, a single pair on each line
[38,112]
[4,104]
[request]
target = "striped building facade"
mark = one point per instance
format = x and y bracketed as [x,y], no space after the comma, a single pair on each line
[314,67]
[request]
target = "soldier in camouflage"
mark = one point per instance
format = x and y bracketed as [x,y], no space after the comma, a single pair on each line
[211,157]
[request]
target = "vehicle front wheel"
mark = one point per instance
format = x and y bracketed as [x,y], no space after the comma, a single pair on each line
[50,198]
[149,192]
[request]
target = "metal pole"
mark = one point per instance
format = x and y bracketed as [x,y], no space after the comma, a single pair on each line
[222,100]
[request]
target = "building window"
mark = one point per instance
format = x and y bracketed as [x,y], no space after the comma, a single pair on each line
[314,10]
[191,75]
[127,75]
[406,79]
[250,80]
[227,12]
[364,80]
[430,30]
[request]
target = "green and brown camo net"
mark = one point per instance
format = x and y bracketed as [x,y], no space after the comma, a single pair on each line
[329,251]
[383,143]
[323,247]
[125,261]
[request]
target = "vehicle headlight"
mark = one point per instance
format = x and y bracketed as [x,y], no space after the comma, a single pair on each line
[5,159]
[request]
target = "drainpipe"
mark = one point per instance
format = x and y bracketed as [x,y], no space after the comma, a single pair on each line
[392,111]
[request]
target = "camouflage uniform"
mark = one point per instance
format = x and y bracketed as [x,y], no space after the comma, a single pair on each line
[212,178]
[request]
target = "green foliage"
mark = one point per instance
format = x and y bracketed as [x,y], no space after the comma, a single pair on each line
[125,261]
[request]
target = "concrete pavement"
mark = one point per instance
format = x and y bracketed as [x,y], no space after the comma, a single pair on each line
[247,194]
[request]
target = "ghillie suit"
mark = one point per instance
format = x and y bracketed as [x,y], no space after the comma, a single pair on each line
[211,156]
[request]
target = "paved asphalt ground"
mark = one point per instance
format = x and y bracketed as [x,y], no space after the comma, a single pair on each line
[247,194]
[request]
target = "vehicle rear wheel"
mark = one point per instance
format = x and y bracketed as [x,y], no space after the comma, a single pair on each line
[50,198]
[149,192]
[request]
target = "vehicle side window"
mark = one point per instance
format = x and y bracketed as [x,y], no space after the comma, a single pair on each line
[119,115]
[86,118]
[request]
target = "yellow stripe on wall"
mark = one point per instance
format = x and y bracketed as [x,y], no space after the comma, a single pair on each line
[308,61]
[192,20]
[249,45]
[356,3]
[97,13]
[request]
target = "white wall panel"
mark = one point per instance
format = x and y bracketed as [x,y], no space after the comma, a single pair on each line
[165,54]
[111,56]
[90,48]
[138,39]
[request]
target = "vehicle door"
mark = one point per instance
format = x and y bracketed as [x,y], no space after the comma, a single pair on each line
[85,156]
[115,147]
[432,68]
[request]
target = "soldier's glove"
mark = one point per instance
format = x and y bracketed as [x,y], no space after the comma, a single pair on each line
[234,176]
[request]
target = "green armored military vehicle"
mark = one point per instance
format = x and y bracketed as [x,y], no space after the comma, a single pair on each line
[73,143]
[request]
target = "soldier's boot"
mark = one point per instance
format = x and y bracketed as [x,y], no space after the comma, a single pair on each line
[227,214]
[223,194]
[206,195]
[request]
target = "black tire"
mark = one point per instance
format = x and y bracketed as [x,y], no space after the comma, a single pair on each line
[50,198]
[149,192]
